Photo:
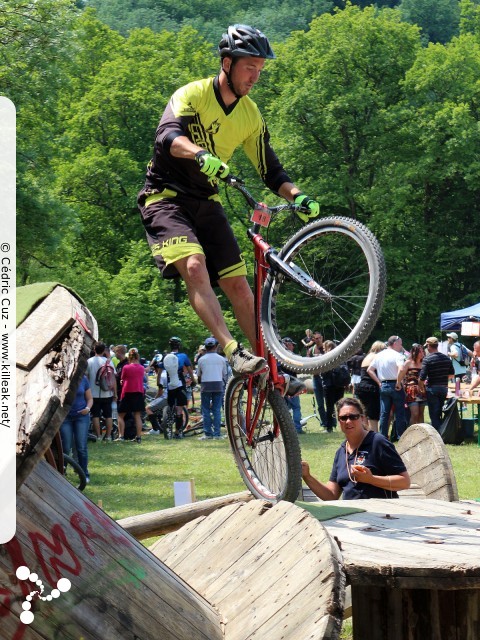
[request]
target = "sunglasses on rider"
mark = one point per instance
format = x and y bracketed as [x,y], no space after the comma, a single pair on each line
[350,416]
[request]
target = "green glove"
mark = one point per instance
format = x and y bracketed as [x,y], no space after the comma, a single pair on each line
[307,203]
[211,166]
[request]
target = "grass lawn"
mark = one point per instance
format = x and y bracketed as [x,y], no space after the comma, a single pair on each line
[130,479]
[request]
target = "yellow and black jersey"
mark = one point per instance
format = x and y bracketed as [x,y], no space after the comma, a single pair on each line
[198,112]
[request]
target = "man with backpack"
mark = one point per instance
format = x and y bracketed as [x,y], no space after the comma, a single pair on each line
[459,355]
[101,375]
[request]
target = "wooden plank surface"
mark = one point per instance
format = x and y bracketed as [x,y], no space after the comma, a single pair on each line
[119,589]
[44,326]
[423,541]
[158,523]
[269,570]
[428,463]
[416,614]
[45,393]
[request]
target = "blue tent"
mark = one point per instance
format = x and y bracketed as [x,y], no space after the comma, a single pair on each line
[452,320]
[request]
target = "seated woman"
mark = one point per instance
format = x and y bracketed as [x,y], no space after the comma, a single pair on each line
[366,465]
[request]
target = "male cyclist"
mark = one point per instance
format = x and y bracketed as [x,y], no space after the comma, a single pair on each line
[186,226]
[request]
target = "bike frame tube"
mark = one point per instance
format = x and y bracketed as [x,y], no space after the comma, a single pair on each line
[261,249]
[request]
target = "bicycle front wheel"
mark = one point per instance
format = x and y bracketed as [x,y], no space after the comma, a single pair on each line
[271,464]
[345,259]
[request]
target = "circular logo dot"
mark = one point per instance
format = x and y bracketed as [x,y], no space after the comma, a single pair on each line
[26,617]
[55,593]
[64,585]
[26,606]
[22,573]
[33,577]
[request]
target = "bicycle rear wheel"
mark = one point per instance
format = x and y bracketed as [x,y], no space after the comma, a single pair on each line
[345,258]
[271,465]
[74,473]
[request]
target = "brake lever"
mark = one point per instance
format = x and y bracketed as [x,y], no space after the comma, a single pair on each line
[232,180]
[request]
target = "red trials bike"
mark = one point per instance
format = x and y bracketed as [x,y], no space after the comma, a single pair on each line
[331,274]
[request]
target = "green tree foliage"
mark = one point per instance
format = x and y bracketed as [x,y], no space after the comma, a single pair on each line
[33,36]
[109,128]
[438,19]
[335,85]
[470,17]
[278,19]
[377,126]
[435,180]
[354,133]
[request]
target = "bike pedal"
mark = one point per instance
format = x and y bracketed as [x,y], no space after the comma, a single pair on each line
[247,376]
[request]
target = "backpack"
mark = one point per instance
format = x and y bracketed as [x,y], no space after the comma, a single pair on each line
[105,377]
[341,376]
[463,359]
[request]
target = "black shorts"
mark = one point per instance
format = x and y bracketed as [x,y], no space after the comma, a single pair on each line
[183,226]
[132,402]
[371,402]
[177,396]
[102,407]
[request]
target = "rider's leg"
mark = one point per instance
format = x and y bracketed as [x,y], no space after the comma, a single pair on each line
[239,293]
[153,419]
[205,303]
[202,297]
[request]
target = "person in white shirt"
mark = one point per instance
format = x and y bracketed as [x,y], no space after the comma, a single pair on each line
[102,400]
[154,409]
[384,370]
[212,374]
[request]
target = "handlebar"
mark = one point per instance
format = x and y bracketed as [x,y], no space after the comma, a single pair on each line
[238,184]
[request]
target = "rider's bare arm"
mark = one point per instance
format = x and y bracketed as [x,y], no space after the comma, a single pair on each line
[182,147]
[288,191]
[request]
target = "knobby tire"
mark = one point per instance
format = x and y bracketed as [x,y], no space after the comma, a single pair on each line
[345,258]
[271,466]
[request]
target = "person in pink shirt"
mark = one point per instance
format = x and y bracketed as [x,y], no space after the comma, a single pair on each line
[132,398]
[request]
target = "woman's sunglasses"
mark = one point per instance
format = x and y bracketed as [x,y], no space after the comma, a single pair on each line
[350,416]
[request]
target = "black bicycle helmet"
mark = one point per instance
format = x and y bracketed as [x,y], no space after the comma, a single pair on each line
[242,40]
[174,341]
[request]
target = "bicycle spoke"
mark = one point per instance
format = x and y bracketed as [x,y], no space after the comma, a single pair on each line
[344,258]
[268,456]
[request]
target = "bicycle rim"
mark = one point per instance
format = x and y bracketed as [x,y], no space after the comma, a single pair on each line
[271,465]
[345,258]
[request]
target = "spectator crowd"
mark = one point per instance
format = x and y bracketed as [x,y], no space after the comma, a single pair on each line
[116,398]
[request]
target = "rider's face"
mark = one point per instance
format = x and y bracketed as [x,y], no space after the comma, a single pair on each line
[245,73]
